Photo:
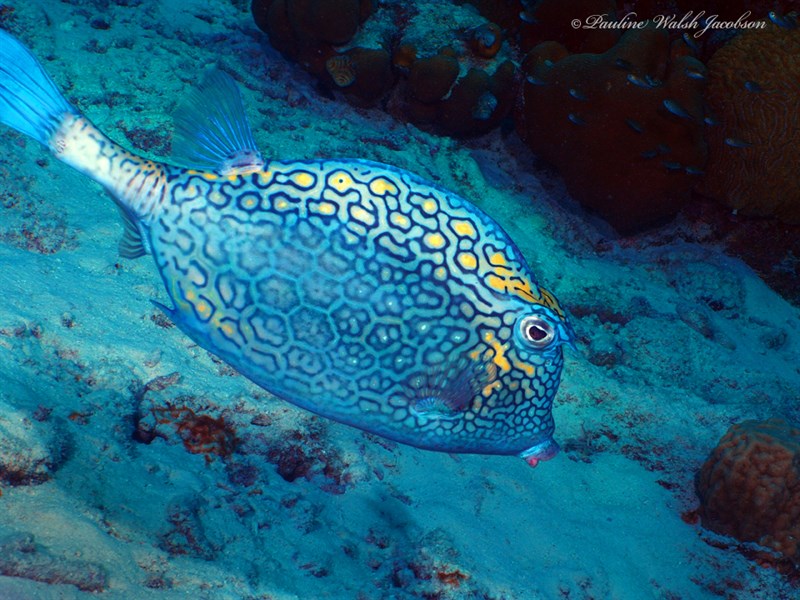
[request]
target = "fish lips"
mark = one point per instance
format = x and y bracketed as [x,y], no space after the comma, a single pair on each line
[544,450]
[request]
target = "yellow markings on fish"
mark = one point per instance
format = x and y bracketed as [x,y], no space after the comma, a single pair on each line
[190,295]
[203,309]
[488,389]
[499,357]
[303,179]
[227,329]
[550,302]
[521,289]
[440,273]
[399,219]
[341,181]
[322,208]
[208,176]
[467,260]
[429,206]
[463,228]
[434,241]
[249,202]
[359,214]
[500,263]
[381,187]
[529,369]
[497,283]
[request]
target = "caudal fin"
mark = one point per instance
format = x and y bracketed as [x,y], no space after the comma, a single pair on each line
[29,100]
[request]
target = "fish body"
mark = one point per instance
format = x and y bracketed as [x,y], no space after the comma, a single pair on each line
[353,289]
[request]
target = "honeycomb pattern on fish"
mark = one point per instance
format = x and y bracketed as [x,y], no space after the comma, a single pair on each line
[349,287]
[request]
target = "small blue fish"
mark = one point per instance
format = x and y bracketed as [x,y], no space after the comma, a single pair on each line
[737,143]
[535,80]
[694,73]
[653,81]
[649,154]
[623,64]
[710,121]
[785,21]
[695,171]
[671,165]
[753,86]
[635,125]
[578,95]
[353,289]
[576,119]
[676,109]
[636,80]
[689,41]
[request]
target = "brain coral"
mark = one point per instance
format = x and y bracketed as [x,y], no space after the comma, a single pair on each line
[749,487]
[754,152]
[624,128]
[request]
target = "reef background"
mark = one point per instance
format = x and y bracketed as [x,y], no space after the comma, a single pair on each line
[134,464]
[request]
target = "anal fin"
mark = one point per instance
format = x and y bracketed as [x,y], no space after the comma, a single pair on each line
[171,313]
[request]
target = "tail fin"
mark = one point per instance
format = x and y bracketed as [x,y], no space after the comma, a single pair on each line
[29,100]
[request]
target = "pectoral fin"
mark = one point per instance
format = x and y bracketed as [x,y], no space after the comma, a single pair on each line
[132,244]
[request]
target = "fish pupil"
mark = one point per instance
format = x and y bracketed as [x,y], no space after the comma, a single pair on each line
[537,333]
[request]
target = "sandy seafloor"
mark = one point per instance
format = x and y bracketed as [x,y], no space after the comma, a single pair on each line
[676,342]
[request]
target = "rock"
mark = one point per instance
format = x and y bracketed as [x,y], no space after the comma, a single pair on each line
[30,450]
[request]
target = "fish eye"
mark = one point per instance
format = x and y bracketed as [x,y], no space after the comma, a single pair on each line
[536,331]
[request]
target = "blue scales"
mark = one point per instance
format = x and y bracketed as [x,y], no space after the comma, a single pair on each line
[353,289]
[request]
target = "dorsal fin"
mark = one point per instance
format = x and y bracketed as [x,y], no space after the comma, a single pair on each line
[211,129]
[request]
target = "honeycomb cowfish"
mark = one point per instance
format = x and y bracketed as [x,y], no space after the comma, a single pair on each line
[353,289]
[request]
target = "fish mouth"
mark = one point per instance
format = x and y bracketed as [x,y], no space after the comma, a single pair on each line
[540,452]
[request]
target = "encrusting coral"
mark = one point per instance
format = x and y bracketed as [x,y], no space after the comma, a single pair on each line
[749,488]
[457,73]
[311,32]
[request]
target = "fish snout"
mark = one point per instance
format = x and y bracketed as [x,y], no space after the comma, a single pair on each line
[542,451]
